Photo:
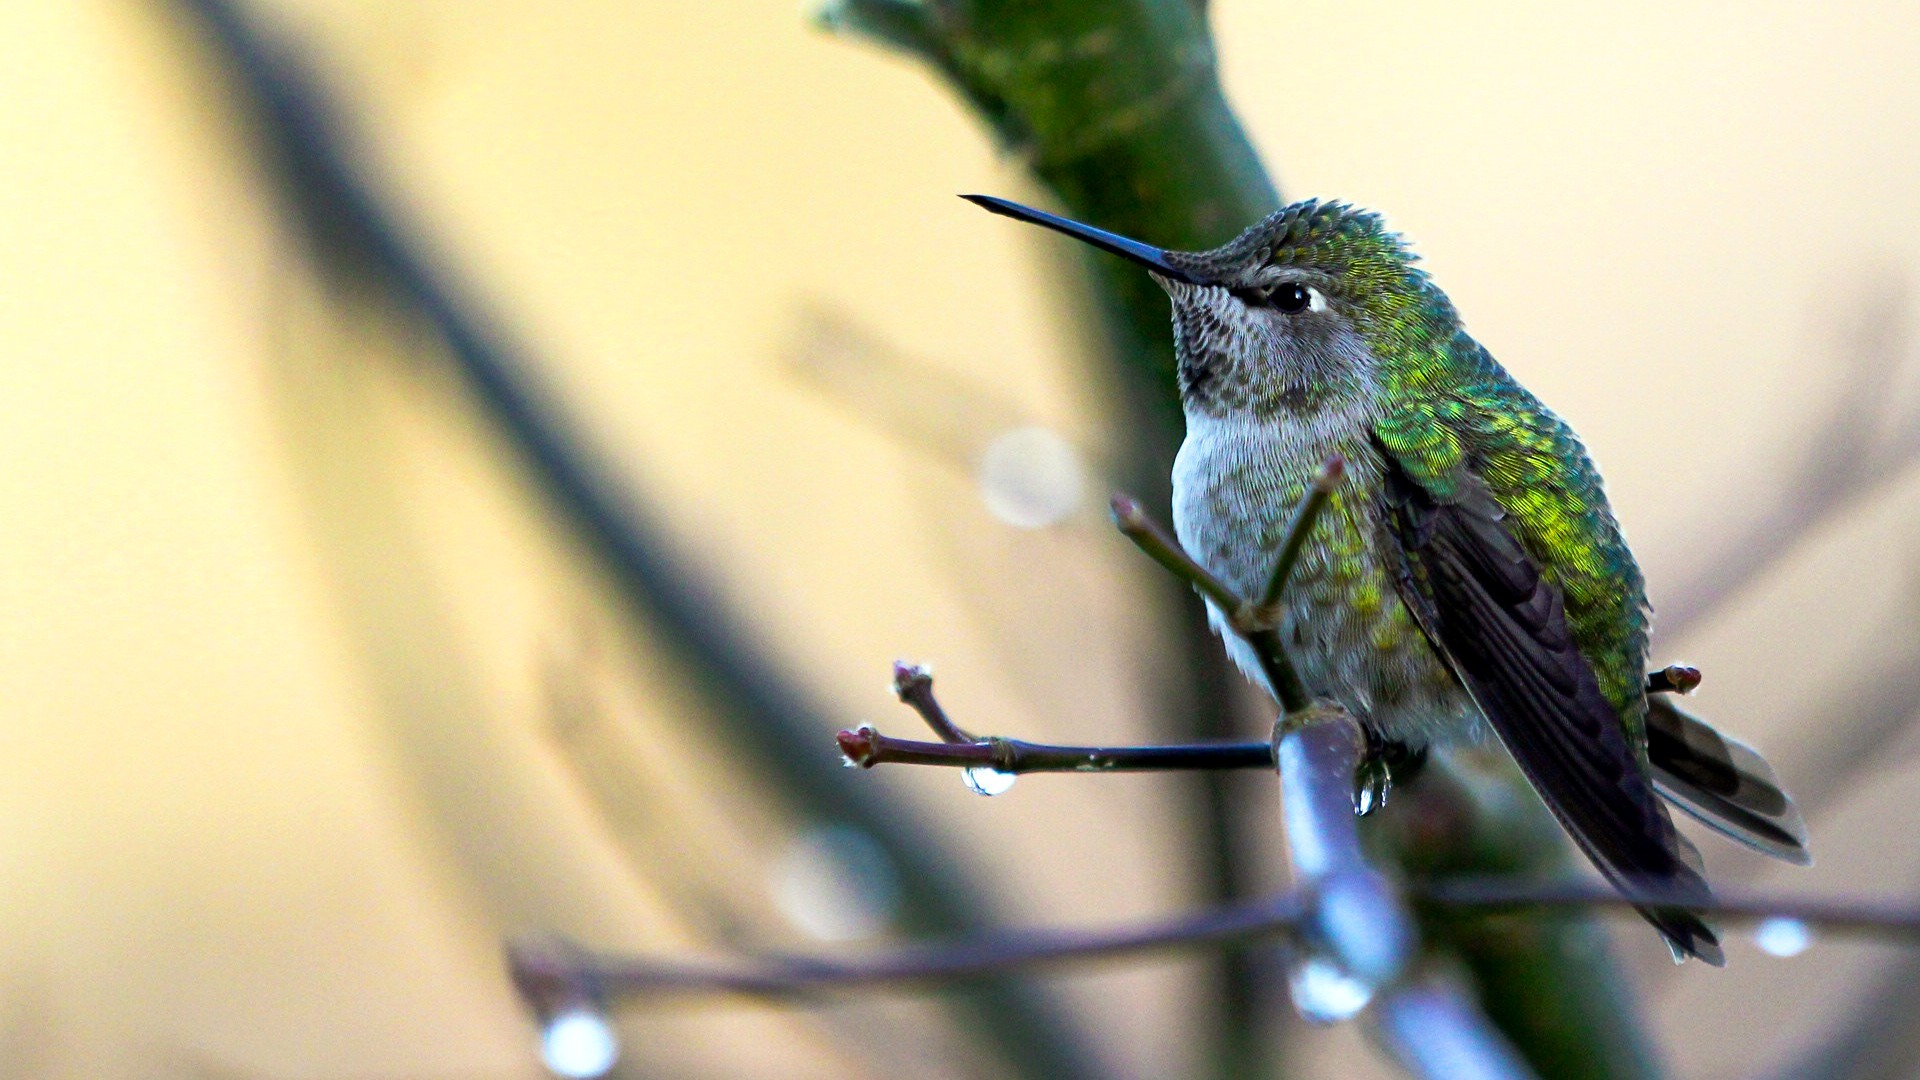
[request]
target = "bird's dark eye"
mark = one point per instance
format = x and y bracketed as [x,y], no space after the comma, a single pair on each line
[1291,297]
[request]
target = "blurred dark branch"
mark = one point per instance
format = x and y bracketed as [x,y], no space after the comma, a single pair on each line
[1862,446]
[1864,918]
[945,417]
[547,971]
[304,142]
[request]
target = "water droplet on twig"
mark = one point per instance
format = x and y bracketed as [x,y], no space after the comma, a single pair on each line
[1782,936]
[579,1044]
[984,780]
[1323,993]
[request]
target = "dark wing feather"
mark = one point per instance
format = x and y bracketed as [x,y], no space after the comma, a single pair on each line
[1504,629]
[1724,784]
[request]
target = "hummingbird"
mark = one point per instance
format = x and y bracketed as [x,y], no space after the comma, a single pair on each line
[1467,577]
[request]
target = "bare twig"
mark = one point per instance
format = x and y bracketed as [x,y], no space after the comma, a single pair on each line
[1674,679]
[545,971]
[1253,621]
[1895,922]
[1138,526]
[913,684]
[1298,530]
[865,747]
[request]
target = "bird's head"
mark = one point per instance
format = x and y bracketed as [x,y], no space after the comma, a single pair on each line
[1295,313]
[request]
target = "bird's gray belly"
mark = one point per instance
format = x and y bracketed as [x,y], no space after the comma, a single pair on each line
[1235,485]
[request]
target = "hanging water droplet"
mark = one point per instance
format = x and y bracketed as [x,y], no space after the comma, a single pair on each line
[579,1044]
[1030,477]
[983,780]
[836,883]
[1323,993]
[1371,783]
[1782,936]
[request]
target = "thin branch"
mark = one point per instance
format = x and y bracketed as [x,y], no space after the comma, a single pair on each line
[547,972]
[913,684]
[1865,918]
[1674,679]
[1138,526]
[1299,529]
[866,747]
[1253,622]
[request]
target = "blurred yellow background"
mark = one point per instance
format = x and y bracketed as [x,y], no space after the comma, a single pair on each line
[305,701]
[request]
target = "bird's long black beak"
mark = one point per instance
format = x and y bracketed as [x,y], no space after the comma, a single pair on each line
[1153,258]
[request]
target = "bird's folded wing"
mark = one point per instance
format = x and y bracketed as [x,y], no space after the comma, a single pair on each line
[1503,627]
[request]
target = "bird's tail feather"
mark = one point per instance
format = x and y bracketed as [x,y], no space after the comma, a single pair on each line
[1724,784]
